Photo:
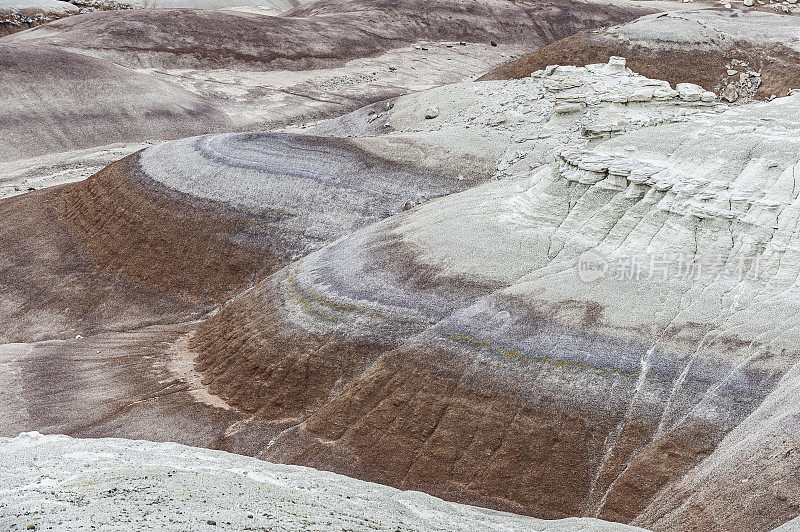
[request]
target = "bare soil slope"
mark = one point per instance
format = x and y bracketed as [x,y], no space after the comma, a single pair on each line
[118,251]
[185,225]
[380,308]
[450,347]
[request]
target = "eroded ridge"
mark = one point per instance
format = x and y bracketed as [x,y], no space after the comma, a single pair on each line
[462,336]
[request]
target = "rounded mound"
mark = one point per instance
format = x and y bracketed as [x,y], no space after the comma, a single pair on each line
[314,189]
[185,225]
[118,251]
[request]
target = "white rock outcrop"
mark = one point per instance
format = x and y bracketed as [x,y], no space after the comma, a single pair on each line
[114,484]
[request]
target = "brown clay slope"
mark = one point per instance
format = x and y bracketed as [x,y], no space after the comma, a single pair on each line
[117,251]
[675,66]
[704,63]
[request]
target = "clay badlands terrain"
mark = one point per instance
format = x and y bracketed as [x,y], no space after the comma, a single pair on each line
[400,265]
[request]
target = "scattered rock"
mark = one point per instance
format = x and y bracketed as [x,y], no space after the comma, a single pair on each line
[689,92]
[497,119]
[730,94]
[410,204]
[617,62]
[548,70]
[568,108]
[493,43]
[432,113]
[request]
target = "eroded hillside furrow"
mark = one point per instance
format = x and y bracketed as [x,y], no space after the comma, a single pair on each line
[491,365]
[295,375]
[197,251]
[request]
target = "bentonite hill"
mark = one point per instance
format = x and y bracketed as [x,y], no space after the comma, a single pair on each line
[447,265]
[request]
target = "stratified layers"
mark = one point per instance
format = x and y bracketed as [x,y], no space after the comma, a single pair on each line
[460,348]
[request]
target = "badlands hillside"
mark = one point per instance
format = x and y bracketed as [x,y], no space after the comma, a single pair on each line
[400,265]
